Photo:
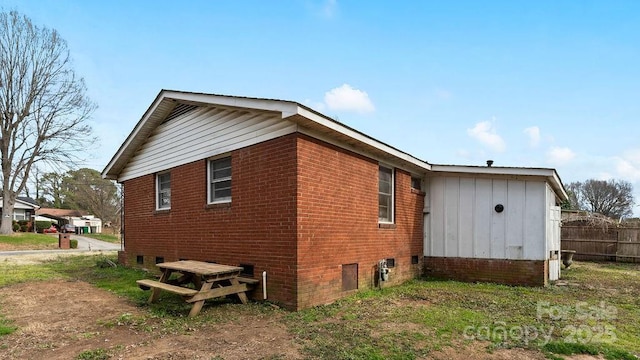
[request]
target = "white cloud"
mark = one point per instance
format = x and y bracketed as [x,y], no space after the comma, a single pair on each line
[346,98]
[560,155]
[534,135]
[486,134]
[628,165]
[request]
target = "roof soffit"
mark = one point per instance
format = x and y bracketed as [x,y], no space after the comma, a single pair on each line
[164,105]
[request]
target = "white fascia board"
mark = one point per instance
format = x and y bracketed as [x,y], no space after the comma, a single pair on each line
[550,174]
[132,136]
[562,193]
[492,170]
[287,108]
[335,126]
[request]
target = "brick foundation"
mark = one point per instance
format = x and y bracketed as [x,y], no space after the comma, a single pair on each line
[501,271]
[122,258]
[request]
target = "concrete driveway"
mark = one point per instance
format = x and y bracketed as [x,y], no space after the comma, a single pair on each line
[89,244]
[85,245]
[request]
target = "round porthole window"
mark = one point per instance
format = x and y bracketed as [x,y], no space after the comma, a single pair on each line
[499,208]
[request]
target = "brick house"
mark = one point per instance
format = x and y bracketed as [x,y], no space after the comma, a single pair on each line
[276,187]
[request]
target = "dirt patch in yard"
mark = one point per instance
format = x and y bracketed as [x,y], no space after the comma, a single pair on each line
[62,319]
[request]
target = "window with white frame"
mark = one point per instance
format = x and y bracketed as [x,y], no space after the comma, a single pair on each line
[220,180]
[19,214]
[163,191]
[385,195]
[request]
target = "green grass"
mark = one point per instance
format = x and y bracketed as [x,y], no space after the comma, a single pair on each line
[601,310]
[598,312]
[564,348]
[24,241]
[96,354]
[104,237]
[33,241]
[5,326]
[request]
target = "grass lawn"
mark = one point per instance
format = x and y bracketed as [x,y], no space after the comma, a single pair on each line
[104,237]
[596,311]
[28,241]
[33,241]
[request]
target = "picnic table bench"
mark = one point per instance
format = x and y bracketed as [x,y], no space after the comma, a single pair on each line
[209,281]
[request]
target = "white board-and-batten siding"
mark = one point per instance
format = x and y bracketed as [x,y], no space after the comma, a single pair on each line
[202,133]
[463,222]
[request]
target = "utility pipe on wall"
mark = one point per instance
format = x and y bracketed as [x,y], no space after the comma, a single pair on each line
[264,285]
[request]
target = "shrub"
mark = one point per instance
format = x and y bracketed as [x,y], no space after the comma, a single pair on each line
[43,224]
[25,225]
[73,243]
[16,226]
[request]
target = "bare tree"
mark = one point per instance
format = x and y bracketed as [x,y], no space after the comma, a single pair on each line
[43,105]
[34,184]
[613,198]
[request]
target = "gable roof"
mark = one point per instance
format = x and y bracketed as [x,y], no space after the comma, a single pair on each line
[171,104]
[26,199]
[61,213]
[24,202]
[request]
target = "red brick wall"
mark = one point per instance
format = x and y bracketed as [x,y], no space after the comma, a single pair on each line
[338,222]
[301,235]
[510,272]
[258,227]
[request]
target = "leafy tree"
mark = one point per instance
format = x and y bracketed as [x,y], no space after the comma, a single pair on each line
[573,189]
[51,191]
[85,189]
[613,198]
[43,105]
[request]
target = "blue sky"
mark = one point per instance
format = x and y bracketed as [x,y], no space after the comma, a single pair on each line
[525,83]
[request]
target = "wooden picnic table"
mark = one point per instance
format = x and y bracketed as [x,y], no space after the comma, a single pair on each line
[209,281]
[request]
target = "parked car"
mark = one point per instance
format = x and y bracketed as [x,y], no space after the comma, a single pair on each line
[50,230]
[68,228]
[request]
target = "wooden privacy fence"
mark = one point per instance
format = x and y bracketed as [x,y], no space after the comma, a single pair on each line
[602,243]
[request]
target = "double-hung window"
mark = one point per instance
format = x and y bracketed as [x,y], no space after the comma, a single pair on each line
[385,195]
[163,191]
[220,180]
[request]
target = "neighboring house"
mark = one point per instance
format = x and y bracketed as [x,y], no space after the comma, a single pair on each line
[82,220]
[276,187]
[24,208]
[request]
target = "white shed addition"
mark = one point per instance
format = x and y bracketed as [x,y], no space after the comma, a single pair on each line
[496,224]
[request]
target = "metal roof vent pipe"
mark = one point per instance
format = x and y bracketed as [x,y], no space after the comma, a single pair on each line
[489,163]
